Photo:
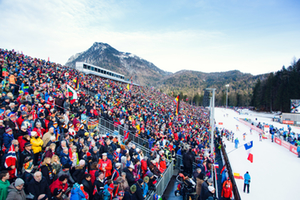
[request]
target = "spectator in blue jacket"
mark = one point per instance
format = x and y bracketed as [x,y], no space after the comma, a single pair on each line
[298,150]
[247,179]
[8,138]
[145,186]
[65,158]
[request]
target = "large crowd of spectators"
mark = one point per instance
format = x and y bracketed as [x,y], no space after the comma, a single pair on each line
[48,151]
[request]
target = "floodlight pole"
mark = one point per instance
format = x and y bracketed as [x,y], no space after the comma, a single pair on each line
[226,95]
[212,120]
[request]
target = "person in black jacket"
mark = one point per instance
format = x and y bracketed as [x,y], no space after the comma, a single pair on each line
[138,195]
[129,175]
[87,184]
[204,189]
[38,185]
[78,174]
[27,153]
[188,159]
[46,170]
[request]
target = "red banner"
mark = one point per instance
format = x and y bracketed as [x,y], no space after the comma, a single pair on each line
[285,144]
[293,149]
[277,140]
[287,122]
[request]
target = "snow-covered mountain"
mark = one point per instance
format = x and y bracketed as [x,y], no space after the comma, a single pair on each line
[103,55]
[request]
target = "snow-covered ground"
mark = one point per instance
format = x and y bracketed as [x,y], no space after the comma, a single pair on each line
[275,171]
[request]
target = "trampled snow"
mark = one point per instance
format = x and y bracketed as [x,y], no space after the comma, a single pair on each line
[275,171]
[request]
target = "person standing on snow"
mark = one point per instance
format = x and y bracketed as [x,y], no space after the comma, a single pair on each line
[236,143]
[247,179]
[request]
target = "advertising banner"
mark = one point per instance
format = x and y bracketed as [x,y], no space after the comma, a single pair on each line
[277,141]
[285,144]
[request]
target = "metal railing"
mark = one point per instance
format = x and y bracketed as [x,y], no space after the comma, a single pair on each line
[162,183]
[230,174]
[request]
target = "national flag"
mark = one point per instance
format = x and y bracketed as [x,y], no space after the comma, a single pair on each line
[4,72]
[95,190]
[248,145]
[126,135]
[128,87]
[250,157]
[72,94]
[10,160]
[77,85]
[216,165]
[237,176]
[177,105]
[223,168]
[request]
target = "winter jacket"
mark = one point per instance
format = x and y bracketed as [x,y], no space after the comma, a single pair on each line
[38,188]
[59,185]
[46,138]
[226,192]
[7,139]
[88,187]
[37,144]
[204,191]
[199,186]
[15,194]
[47,173]
[145,189]
[107,165]
[78,174]
[4,189]
[65,159]
[138,195]
[76,193]
[247,178]
[129,176]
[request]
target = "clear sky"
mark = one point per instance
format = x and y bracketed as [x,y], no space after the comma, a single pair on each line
[252,36]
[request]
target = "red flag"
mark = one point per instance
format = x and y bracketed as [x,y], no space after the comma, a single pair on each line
[11,161]
[250,157]
[95,190]
[126,135]
[223,168]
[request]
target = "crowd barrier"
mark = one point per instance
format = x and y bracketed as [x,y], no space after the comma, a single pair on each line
[107,127]
[277,140]
[230,174]
[287,145]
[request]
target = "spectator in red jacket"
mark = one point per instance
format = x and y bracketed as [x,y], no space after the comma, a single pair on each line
[60,183]
[226,192]
[105,165]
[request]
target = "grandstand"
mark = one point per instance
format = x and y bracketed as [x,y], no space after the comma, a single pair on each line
[34,91]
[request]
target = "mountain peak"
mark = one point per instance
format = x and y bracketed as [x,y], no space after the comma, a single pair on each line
[128,64]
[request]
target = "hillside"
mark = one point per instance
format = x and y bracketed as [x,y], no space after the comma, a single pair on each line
[103,55]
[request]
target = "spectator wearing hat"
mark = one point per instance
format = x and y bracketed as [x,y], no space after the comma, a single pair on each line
[145,186]
[22,131]
[8,137]
[26,175]
[27,153]
[138,195]
[2,131]
[16,190]
[105,165]
[211,193]
[226,193]
[79,172]
[38,185]
[11,123]
[116,172]
[4,184]
[95,154]
[37,144]
[129,174]
[152,180]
